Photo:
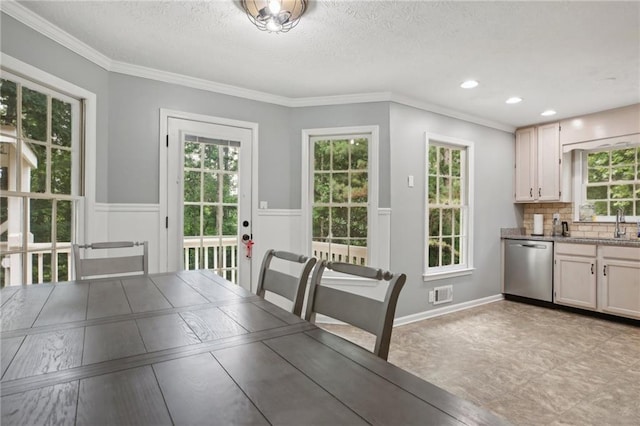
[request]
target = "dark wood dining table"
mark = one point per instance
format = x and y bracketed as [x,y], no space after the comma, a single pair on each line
[192,348]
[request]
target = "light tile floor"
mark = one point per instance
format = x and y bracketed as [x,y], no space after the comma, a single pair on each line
[529,364]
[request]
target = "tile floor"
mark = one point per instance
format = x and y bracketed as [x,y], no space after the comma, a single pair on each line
[531,365]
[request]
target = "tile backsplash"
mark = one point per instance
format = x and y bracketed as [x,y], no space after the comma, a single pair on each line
[577,229]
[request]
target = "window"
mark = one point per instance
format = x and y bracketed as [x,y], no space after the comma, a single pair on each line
[341,205]
[449,207]
[612,181]
[40,166]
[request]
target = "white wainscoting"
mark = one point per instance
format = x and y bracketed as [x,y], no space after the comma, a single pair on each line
[130,222]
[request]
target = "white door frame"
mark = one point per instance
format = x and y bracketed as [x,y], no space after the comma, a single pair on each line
[165,114]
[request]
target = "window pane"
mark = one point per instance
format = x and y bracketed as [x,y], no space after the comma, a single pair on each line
[61,171]
[339,220]
[12,213]
[211,157]
[230,220]
[445,158]
[37,163]
[598,174]
[359,187]
[601,208]
[8,104]
[434,252]
[230,188]
[192,221]
[322,155]
[4,217]
[456,251]
[457,227]
[340,154]
[358,222]
[445,190]
[210,188]
[598,159]
[40,220]
[637,208]
[597,192]
[63,267]
[60,123]
[447,222]
[230,159]
[359,154]
[434,222]
[447,251]
[433,189]
[455,191]
[455,163]
[622,173]
[192,186]
[433,160]
[63,221]
[626,206]
[34,114]
[340,188]
[623,156]
[321,190]
[621,191]
[40,267]
[320,222]
[209,221]
[192,154]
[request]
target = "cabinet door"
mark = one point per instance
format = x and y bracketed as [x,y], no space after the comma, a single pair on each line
[525,164]
[575,281]
[621,287]
[548,162]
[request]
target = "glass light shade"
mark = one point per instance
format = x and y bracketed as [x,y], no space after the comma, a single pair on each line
[274,16]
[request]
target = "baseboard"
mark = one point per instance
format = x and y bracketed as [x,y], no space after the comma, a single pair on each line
[446,310]
[427,314]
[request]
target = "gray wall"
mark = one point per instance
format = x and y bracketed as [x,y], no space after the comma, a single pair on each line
[29,46]
[134,123]
[493,206]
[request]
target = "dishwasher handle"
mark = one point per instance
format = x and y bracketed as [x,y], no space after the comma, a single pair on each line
[535,246]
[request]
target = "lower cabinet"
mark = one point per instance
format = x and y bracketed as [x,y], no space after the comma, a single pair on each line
[575,282]
[620,290]
[599,278]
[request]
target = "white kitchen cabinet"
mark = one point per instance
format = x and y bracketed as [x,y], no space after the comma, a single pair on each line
[538,168]
[575,277]
[620,281]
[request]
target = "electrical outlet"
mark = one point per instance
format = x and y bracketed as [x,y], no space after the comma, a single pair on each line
[431,296]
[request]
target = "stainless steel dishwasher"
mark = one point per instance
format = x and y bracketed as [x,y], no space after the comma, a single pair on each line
[528,269]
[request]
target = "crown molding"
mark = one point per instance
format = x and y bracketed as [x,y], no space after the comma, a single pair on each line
[46,28]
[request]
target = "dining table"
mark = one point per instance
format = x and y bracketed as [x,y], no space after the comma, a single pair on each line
[190,347]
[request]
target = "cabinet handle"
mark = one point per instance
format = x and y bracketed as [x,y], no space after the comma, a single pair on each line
[530,192]
[539,192]
[604,270]
[592,269]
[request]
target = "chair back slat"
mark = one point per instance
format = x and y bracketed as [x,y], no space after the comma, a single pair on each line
[110,266]
[368,314]
[291,287]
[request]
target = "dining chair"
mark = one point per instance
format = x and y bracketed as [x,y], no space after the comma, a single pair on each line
[287,285]
[371,315]
[111,266]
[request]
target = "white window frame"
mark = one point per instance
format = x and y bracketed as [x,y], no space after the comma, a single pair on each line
[86,208]
[466,267]
[373,243]
[580,173]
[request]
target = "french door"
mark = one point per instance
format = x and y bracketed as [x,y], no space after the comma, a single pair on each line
[209,198]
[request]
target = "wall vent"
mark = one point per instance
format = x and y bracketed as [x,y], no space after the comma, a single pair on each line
[443,294]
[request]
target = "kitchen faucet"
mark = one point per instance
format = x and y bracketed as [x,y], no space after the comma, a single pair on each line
[619,233]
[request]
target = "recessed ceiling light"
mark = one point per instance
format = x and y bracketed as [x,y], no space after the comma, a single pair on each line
[469,84]
[514,100]
[548,113]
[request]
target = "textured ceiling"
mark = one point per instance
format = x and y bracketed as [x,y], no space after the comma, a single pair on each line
[573,57]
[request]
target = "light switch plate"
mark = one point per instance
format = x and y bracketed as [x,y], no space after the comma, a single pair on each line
[410,181]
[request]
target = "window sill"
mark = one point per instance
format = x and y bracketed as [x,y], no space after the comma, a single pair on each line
[434,276]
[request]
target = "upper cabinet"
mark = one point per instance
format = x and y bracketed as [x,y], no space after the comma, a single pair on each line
[601,125]
[538,165]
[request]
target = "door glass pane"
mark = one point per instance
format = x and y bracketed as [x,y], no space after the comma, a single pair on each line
[230,159]
[192,186]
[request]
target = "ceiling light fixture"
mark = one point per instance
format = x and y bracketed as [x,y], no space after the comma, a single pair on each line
[548,112]
[514,100]
[274,16]
[469,84]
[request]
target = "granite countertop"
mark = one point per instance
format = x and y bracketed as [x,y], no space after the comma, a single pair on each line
[518,234]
